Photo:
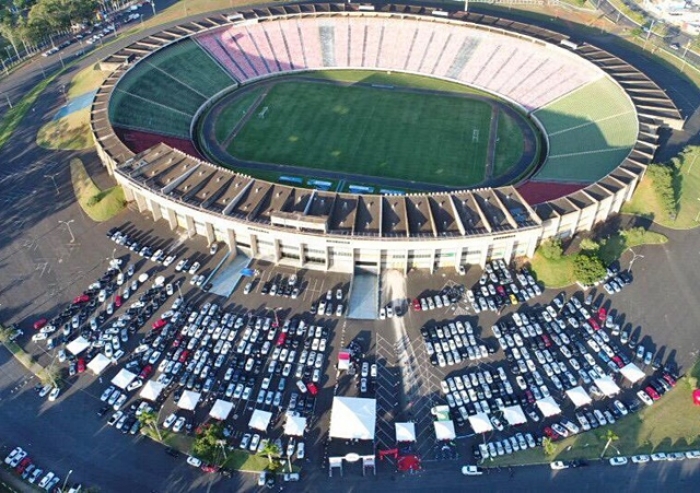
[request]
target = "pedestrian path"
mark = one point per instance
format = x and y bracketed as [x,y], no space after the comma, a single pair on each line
[75,104]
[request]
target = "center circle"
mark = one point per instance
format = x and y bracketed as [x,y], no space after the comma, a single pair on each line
[368,131]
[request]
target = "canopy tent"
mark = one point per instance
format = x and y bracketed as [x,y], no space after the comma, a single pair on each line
[260,420]
[344,360]
[632,373]
[188,400]
[353,418]
[578,396]
[607,386]
[98,364]
[480,423]
[78,345]
[151,390]
[221,409]
[408,463]
[405,432]
[444,430]
[441,413]
[548,407]
[295,426]
[123,378]
[514,415]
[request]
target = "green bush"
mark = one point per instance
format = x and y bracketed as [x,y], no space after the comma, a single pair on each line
[589,245]
[663,177]
[551,249]
[588,269]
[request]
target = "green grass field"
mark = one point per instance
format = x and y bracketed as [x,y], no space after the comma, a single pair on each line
[510,144]
[232,114]
[369,131]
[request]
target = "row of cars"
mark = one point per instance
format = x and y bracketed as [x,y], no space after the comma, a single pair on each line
[656,457]
[454,342]
[24,466]
[500,286]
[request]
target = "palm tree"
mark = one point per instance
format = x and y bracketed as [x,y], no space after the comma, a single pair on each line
[269,450]
[149,419]
[610,436]
[548,446]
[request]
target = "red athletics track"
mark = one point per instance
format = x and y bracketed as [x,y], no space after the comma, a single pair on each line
[536,192]
[139,141]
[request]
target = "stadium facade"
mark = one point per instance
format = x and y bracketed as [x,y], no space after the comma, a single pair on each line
[325,230]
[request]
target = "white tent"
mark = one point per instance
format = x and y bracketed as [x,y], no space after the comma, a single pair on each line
[514,415]
[260,420]
[405,432]
[578,396]
[353,418]
[188,400]
[295,426]
[344,360]
[77,345]
[632,373]
[444,430]
[480,423]
[221,409]
[607,386]
[123,378]
[548,407]
[98,364]
[151,390]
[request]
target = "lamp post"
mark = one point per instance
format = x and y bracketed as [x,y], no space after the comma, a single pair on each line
[53,179]
[65,481]
[67,223]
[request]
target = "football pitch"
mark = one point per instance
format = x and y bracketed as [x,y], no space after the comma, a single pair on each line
[373,131]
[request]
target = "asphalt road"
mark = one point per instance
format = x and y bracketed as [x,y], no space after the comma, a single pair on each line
[41,267]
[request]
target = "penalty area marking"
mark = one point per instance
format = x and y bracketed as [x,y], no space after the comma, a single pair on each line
[475,136]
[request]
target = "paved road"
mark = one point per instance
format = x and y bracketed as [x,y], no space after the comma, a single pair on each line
[39,272]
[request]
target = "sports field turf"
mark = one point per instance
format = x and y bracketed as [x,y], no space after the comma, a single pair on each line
[427,138]
[234,113]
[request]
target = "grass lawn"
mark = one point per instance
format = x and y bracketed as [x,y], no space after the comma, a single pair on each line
[553,273]
[671,424]
[617,244]
[374,132]
[88,79]
[72,132]
[234,113]
[510,144]
[241,460]
[108,202]
[687,187]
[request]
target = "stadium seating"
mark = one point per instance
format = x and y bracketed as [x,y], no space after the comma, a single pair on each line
[290,31]
[212,43]
[342,41]
[278,44]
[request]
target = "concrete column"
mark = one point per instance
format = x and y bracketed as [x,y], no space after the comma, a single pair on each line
[128,194]
[172,219]
[141,203]
[459,254]
[211,236]
[328,258]
[191,230]
[302,254]
[231,240]
[531,246]
[508,253]
[155,210]
[278,251]
[483,256]
[253,245]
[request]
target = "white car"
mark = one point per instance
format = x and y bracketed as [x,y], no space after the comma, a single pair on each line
[194,462]
[17,451]
[301,451]
[195,267]
[179,424]
[558,465]
[640,459]
[618,461]
[53,395]
[472,471]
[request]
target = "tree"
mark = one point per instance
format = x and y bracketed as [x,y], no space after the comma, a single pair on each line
[269,450]
[208,441]
[149,419]
[589,245]
[548,446]
[663,177]
[551,249]
[588,269]
[610,437]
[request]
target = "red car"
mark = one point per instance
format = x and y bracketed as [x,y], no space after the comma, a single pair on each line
[602,314]
[183,356]
[81,365]
[282,337]
[594,324]
[146,372]
[551,434]
[210,468]
[159,324]
[618,361]
[416,305]
[671,381]
[547,341]
[118,301]
[40,324]
[652,393]
[311,387]
[83,298]
[23,465]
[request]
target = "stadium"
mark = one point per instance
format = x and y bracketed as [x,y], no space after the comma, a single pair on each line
[585,123]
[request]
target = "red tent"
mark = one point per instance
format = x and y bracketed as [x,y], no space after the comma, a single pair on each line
[696,397]
[408,463]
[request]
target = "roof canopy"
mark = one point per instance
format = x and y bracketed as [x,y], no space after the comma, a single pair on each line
[405,432]
[260,420]
[632,373]
[514,415]
[578,396]
[343,360]
[294,426]
[98,364]
[221,409]
[77,345]
[123,378]
[444,430]
[480,423]
[353,418]
[189,400]
[548,407]
[151,390]
[607,386]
